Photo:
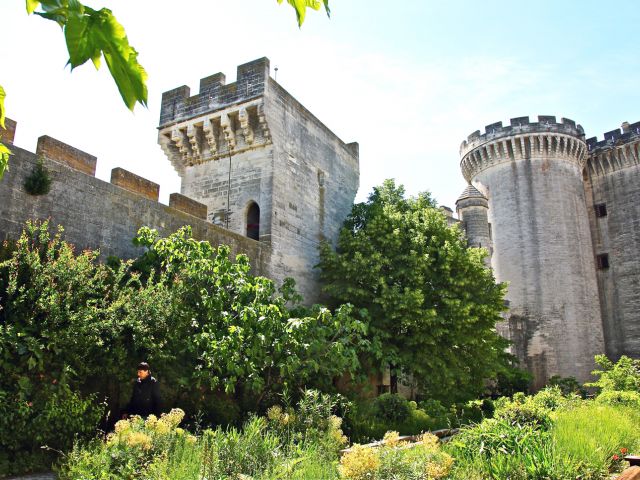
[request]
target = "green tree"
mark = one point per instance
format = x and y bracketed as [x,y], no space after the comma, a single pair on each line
[95,35]
[237,332]
[430,302]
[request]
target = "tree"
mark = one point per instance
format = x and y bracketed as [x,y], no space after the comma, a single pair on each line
[96,34]
[430,302]
[237,333]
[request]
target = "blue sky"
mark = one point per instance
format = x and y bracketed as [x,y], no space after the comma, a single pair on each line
[407,80]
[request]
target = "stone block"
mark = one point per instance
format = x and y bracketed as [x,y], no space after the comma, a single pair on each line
[9,133]
[60,152]
[134,183]
[188,205]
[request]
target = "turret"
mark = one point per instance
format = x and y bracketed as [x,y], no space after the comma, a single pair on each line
[473,209]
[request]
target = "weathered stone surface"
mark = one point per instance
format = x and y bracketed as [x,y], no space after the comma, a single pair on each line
[60,152]
[135,183]
[8,134]
[188,205]
[612,181]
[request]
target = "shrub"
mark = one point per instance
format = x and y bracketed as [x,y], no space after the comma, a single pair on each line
[618,398]
[229,453]
[624,375]
[39,181]
[568,385]
[393,461]
[136,449]
[391,407]
[34,416]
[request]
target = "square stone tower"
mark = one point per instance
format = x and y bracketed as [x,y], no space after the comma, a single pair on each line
[264,165]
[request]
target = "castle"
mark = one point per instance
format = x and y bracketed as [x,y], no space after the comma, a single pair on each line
[559,215]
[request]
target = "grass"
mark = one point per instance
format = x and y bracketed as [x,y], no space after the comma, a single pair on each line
[592,434]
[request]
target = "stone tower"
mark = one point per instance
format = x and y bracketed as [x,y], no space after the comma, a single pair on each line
[473,211]
[531,174]
[264,166]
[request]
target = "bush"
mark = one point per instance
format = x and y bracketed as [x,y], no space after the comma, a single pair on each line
[34,417]
[160,449]
[500,449]
[39,181]
[367,421]
[391,407]
[624,375]
[618,398]
[393,461]
[136,449]
[568,385]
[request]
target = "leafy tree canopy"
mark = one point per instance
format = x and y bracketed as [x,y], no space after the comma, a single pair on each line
[207,326]
[431,304]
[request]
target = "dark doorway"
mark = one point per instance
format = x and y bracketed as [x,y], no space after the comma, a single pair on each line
[253,221]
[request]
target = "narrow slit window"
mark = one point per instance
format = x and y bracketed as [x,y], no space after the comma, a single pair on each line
[602,261]
[253,221]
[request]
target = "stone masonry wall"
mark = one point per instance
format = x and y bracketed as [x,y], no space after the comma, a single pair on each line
[315,180]
[612,182]
[97,214]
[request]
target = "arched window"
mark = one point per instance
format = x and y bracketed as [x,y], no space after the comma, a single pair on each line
[253,221]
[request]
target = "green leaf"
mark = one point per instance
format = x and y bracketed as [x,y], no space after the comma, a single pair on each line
[4,159]
[80,41]
[2,96]
[301,6]
[121,58]
[32,5]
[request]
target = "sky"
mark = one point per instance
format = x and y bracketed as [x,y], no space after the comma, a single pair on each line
[407,80]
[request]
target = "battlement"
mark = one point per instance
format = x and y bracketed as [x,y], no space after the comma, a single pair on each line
[619,136]
[521,125]
[9,133]
[619,149]
[54,150]
[215,94]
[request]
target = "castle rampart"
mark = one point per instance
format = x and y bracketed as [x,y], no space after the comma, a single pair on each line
[100,215]
[531,174]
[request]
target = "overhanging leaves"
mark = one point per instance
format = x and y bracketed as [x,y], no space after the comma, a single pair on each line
[90,34]
[301,6]
[4,158]
[2,95]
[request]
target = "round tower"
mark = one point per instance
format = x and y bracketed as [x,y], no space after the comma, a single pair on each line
[531,173]
[472,207]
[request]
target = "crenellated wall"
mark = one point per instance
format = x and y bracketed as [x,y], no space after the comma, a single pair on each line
[612,185]
[102,215]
